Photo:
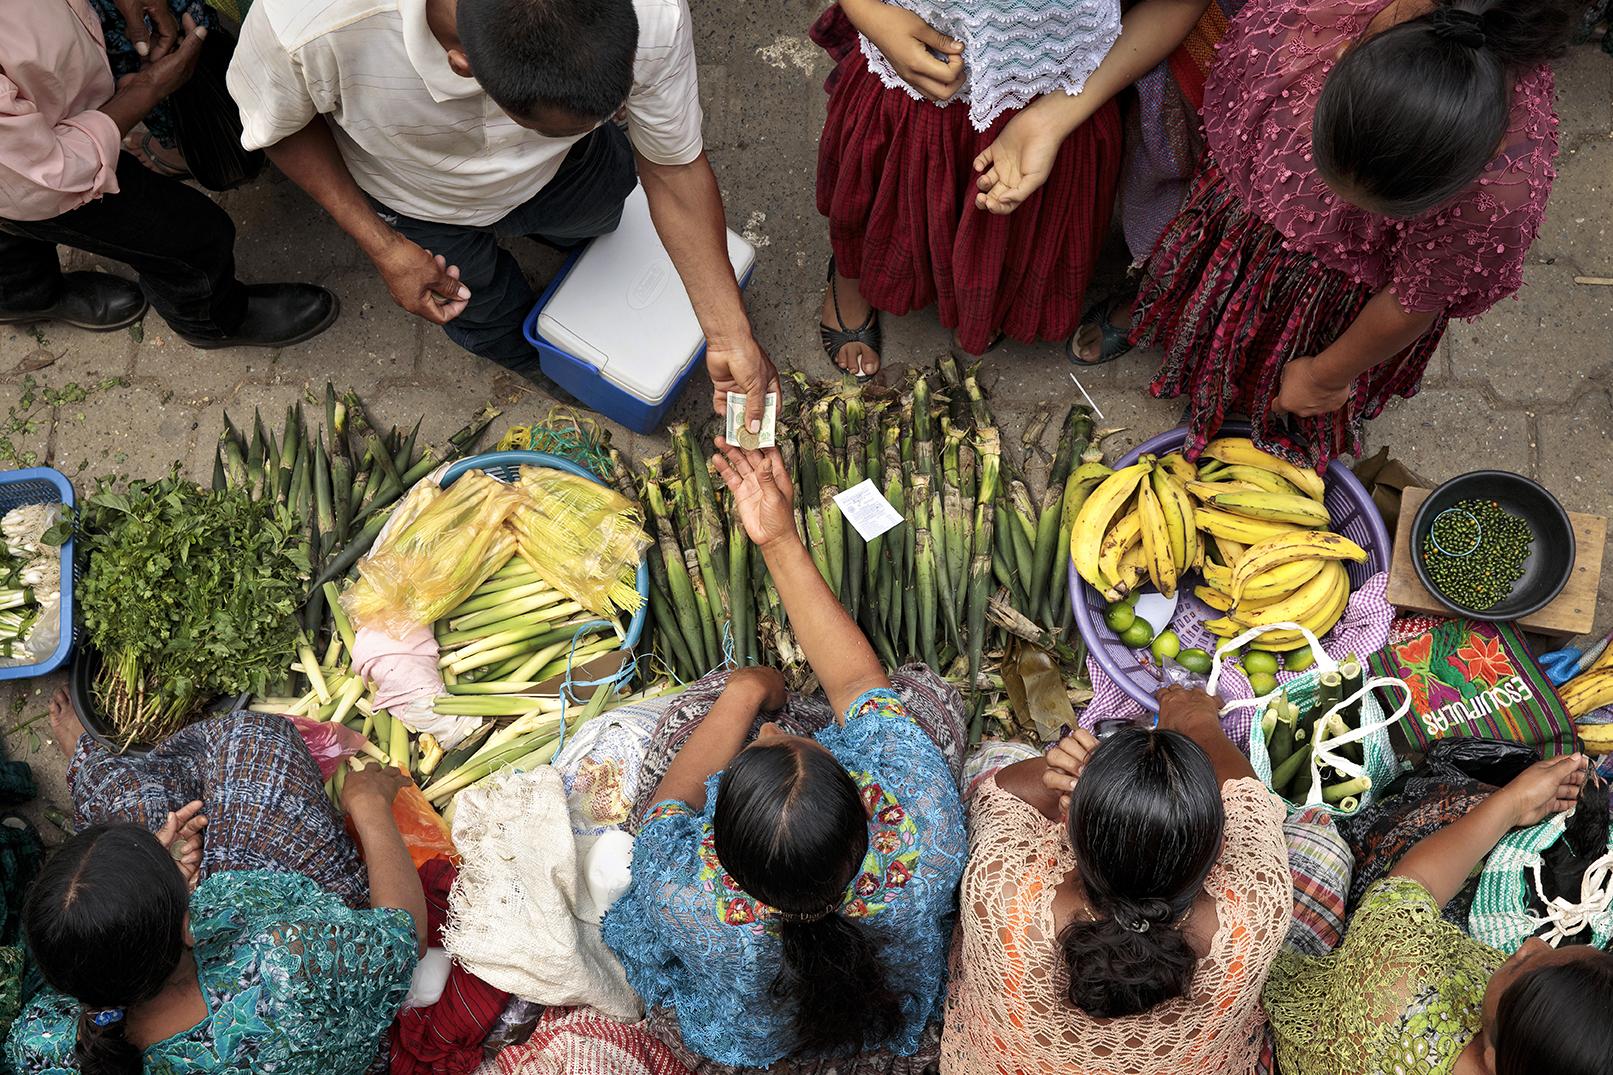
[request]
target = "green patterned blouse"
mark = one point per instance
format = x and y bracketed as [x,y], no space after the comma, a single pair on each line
[1402,995]
[296,983]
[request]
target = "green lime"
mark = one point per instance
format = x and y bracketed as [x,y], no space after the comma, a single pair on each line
[1166,644]
[1194,660]
[1298,660]
[1131,598]
[1258,662]
[1119,617]
[1138,635]
[1262,683]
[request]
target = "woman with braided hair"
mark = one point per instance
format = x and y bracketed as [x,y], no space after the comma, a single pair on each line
[1373,169]
[1123,902]
[794,877]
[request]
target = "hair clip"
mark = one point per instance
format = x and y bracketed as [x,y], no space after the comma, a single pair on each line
[106,1017]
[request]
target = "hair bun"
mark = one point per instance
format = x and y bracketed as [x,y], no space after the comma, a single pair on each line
[1463,27]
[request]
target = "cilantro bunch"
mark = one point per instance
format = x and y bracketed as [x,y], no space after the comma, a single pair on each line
[189,594]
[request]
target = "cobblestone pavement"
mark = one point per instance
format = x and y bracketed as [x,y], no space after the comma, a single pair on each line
[1528,387]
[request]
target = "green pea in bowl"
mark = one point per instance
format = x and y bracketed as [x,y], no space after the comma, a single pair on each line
[1477,531]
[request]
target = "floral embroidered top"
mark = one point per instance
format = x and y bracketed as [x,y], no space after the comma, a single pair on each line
[1403,995]
[692,941]
[1460,258]
[296,983]
[1008,1011]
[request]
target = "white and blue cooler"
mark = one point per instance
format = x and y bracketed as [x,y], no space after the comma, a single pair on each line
[615,327]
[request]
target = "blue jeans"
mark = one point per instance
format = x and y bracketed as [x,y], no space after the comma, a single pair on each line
[583,200]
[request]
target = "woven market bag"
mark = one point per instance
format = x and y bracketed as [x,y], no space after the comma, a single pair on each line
[1511,903]
[1379,763]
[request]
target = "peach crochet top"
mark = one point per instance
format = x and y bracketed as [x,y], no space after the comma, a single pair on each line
[1007,1012]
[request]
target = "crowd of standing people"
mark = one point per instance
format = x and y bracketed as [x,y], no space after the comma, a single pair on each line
[1311,189]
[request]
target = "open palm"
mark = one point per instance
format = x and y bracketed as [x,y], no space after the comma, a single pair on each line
[763,496]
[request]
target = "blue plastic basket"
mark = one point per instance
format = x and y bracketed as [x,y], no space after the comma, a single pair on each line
[506,466]
[43,485]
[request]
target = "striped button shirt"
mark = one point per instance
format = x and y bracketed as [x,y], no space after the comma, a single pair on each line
[419,138]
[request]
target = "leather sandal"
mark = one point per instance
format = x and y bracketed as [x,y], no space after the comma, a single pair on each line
[1113,342]
[834,338]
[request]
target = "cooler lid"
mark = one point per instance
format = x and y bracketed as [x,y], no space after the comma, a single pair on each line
[623,308]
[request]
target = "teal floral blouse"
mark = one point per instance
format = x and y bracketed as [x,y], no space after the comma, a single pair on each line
[296,983]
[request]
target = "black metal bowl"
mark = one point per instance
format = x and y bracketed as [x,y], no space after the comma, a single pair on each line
[81,692]
[1551,554]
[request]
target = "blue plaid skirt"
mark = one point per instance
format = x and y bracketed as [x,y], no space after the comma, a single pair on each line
[259,787]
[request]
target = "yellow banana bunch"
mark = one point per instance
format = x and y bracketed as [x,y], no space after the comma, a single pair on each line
[1320,618]
[1596,738]
[1290,547]
[1096,516]
[1587,691]
[1178,467]
[1219,600]
[1308,604]
[1121,539]
[1242,474]
[1274,507]
[1157,550]
[1179,518]
[1278,581]
[1239,528]
[1241,451]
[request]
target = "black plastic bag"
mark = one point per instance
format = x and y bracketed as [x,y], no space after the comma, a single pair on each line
[208,123]
[1563,864]
[1456,776]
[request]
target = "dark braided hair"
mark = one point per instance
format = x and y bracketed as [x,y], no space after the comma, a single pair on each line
[792,831]
[1410,117]
[105,921]
[1145,825]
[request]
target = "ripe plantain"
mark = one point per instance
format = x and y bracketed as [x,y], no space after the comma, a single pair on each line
[1179,468]
[1178,508]
[1093,521]
[1238,528]
[1303,605]
[1157,551]
[1289,547]
[1256,476]
[1120,539]
[1274,507]
[1587,691]
[1241,450]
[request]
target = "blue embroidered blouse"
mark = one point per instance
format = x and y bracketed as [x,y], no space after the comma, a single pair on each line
[692,941]
[296,983]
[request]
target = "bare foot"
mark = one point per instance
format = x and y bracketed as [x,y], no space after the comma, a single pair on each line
[1089,340]
[64,725]
[854,310]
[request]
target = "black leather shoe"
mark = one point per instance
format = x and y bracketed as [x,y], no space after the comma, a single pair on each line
[97,301]
[278,315]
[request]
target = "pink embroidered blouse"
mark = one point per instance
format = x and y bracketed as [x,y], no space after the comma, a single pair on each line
[1459,259]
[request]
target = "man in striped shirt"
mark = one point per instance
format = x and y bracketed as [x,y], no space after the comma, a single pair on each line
[429,129]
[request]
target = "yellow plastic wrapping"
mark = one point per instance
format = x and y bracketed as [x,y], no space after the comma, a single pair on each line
[440,546]
[584,538]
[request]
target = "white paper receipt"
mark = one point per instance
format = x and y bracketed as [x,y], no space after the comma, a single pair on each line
[867,510]
[737,433]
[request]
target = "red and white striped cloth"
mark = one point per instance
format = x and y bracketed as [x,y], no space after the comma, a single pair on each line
[580,1041]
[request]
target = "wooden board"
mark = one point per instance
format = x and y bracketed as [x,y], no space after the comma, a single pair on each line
[1572,613]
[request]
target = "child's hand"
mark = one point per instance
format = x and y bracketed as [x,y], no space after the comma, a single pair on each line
[1305,392]
[1065,761]
[1016,164]
[910,44]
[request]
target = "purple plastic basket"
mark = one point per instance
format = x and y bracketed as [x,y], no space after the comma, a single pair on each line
[1354,516]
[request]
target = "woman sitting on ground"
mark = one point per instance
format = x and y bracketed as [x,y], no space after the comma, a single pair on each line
[1409,992]
[253,971]
[793,886]
[1123,902]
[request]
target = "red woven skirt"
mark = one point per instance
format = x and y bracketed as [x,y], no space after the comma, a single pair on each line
[896,179]
[1230,305]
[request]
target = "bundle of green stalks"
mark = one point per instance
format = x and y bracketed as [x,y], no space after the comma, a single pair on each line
[976,521]
[340,479]
[1293,732]
[498,648]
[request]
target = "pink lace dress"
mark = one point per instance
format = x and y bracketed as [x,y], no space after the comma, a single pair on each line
[1265,263]
[1007,1012]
